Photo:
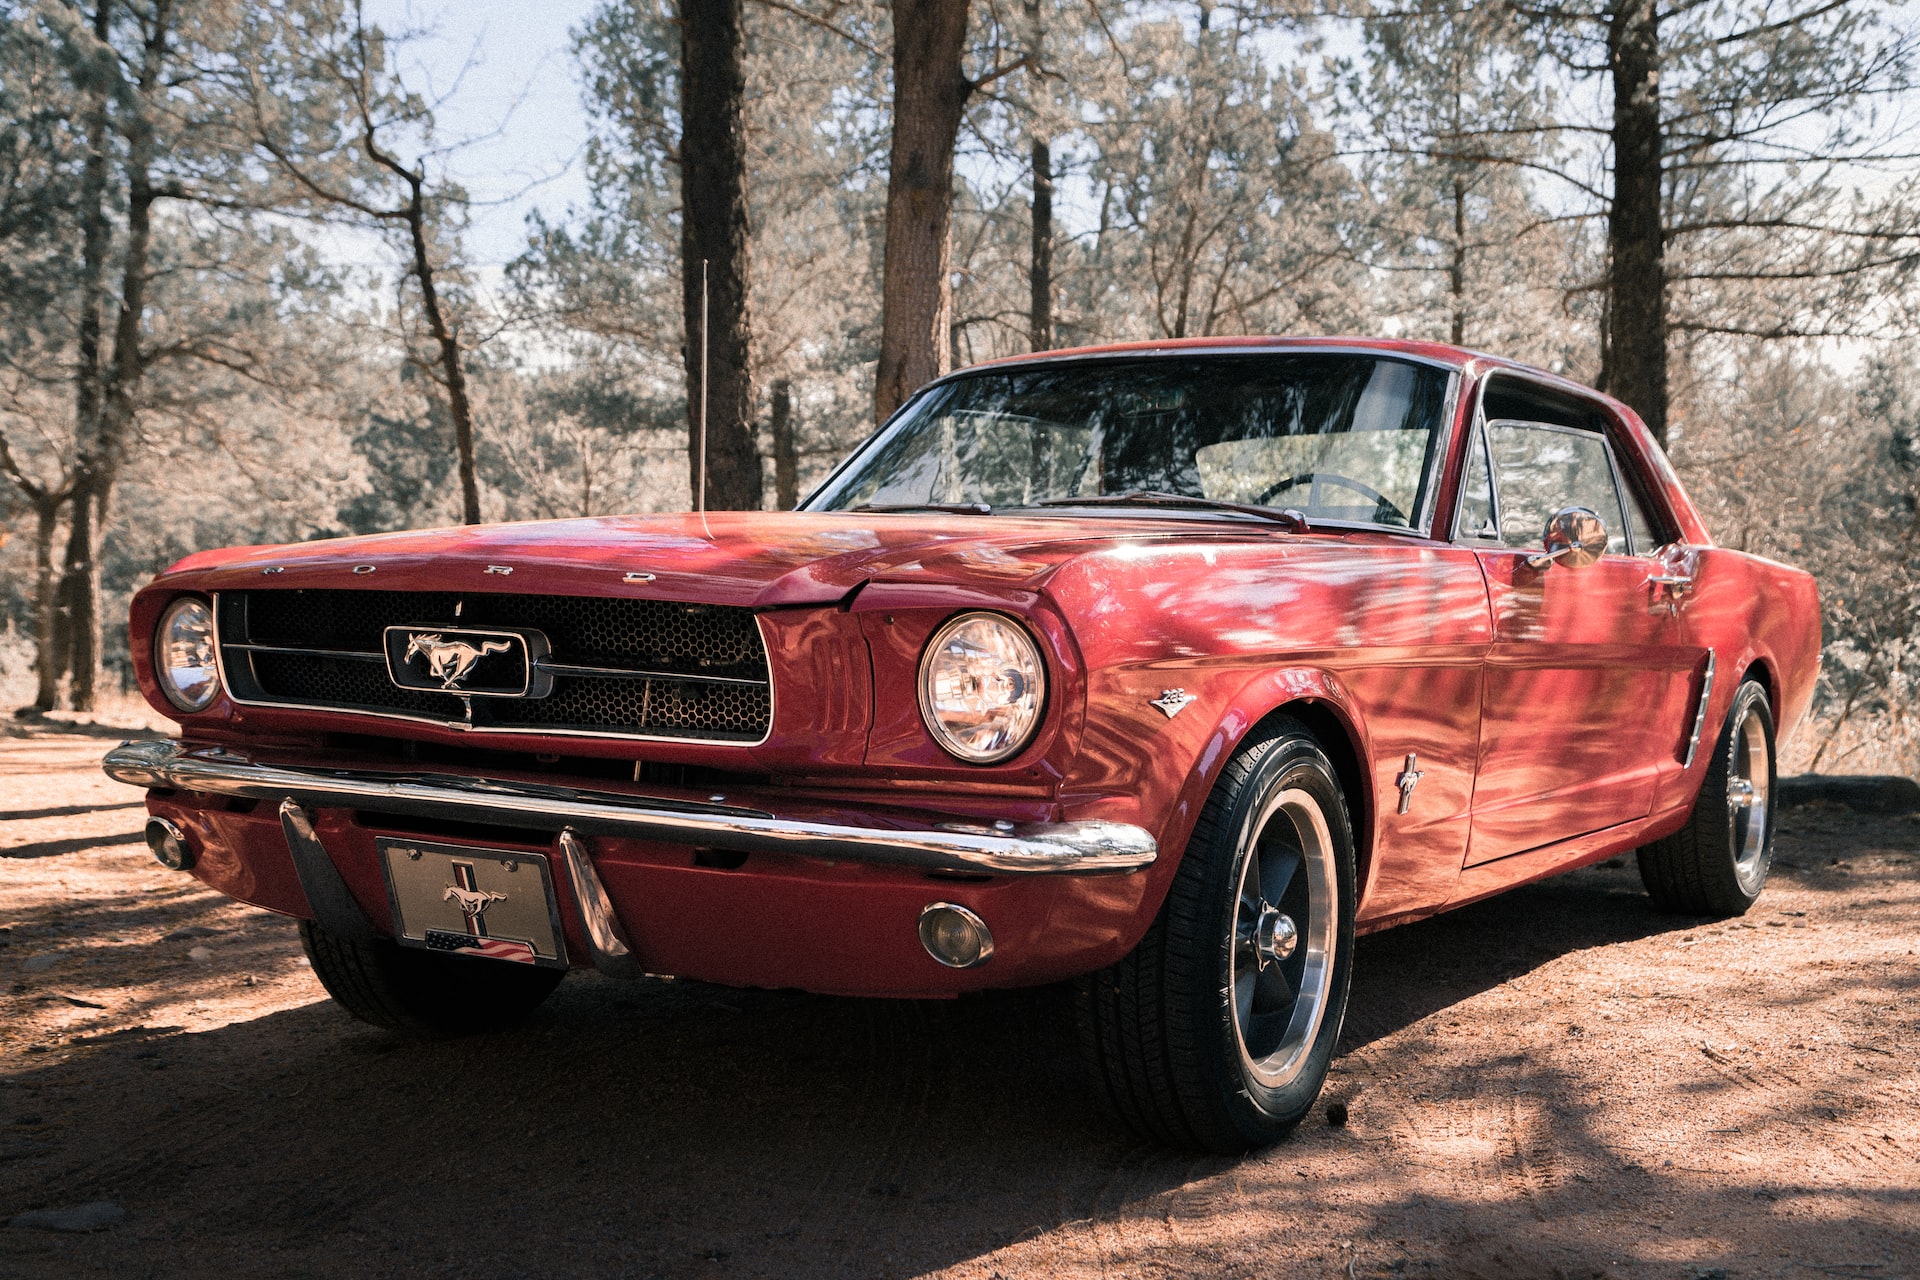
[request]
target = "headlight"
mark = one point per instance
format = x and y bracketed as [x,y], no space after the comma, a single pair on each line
[183,655]
[982,687]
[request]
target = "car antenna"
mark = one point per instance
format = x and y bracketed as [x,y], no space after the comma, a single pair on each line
[700,495]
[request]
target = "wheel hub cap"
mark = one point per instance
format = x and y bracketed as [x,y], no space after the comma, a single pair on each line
[1274,935]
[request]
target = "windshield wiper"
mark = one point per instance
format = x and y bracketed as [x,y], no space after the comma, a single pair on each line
[1154,498]
[958,508]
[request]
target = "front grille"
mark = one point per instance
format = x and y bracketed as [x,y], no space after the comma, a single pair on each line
[642,668]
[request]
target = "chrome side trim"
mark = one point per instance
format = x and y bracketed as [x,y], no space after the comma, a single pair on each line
[333,904]
[606,940]
[637,673]
[1035,848]
[1700,713]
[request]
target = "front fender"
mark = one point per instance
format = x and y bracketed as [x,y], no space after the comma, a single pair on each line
[1137,764]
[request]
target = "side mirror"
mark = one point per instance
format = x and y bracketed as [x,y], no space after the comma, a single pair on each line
[1575,537]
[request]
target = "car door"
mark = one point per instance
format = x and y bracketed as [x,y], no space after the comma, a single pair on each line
[1589,668]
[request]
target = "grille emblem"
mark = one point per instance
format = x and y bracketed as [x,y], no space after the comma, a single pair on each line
[469,663]
[451,661]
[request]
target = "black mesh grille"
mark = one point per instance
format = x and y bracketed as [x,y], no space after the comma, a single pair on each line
[678,643]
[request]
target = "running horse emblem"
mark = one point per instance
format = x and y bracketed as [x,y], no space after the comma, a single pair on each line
[473,902]
[450,661]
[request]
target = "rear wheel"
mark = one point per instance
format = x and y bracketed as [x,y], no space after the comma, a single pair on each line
[1216,1032]
[1717,864]
[424,993]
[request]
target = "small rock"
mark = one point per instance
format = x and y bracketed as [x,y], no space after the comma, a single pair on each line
[97,1216]
[1337,1114]
[191,931]
[200,953]
[45,960]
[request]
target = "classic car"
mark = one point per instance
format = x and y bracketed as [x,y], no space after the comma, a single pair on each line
[1161,669]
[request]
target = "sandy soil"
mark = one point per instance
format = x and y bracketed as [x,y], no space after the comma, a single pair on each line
[1559,1082]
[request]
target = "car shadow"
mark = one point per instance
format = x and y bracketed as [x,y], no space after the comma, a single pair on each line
[654,1129]
[1412,972]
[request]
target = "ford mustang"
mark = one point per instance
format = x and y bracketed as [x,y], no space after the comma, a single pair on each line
[1163,670]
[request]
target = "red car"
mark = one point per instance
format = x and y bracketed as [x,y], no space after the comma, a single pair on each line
[1165,669]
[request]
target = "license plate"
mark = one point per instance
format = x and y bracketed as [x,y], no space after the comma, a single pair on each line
[493,903]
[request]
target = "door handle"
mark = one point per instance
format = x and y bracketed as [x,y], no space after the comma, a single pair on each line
[1677,585]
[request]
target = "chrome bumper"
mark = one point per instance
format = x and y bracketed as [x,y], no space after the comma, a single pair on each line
[1071,848]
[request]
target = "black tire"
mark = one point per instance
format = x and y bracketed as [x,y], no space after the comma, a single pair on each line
[1161,1031]
[1717,864]
[424,993]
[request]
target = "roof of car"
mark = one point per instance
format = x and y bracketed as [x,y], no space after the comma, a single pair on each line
[1439,352]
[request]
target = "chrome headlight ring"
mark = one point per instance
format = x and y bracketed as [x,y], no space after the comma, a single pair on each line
[183,659]
[983,687]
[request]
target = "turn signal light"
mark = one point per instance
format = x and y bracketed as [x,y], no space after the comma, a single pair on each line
[955,936]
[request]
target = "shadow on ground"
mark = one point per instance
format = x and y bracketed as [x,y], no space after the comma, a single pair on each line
[671,1129]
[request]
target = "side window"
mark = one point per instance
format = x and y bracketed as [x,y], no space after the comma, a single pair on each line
[1538,469]
[1476,492]
[1645,540]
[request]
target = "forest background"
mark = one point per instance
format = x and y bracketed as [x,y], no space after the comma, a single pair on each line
[238,302]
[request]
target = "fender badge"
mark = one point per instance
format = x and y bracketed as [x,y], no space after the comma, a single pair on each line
[1172,701]
[1409,779]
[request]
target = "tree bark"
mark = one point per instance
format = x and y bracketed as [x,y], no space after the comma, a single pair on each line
[930,91]
[71,640]
[713,254]
[1636,230]
[446,339]
[1040,274]
[46,500]
[1457,270]
[47,659]
[786,457]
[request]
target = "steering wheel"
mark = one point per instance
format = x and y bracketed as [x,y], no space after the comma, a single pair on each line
[1383,505]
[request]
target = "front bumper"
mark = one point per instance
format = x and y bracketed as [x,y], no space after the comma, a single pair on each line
[820,895]
[1046,848]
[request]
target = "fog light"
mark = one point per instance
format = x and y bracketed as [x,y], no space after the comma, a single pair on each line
[955,936]
[169,844]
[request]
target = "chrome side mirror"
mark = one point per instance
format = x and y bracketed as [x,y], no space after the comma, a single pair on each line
[1575,537]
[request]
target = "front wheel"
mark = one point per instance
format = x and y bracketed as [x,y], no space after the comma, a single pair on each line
[1717,864]
[1216,1032]
[423,993]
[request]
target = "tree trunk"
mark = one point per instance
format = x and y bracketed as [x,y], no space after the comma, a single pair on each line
[47,658]
[786,458]
[930,91]
[1636,231]
[71,641]
[1040,274]
[1457,271]
[93,495]
[446,337]
[713,255]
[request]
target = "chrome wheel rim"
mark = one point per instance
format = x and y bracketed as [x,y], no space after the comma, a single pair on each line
[1749,784]
[1283,937]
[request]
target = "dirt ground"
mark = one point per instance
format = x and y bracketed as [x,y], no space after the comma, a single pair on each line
[1559,1082]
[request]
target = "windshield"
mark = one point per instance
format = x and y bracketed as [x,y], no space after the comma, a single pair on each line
[1336,437]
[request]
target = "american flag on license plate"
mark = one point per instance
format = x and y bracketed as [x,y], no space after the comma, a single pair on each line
[467,944]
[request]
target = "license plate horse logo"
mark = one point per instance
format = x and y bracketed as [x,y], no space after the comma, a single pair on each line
[473,902]
[450,661]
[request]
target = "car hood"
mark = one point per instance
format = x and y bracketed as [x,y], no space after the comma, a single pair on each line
[757,559]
